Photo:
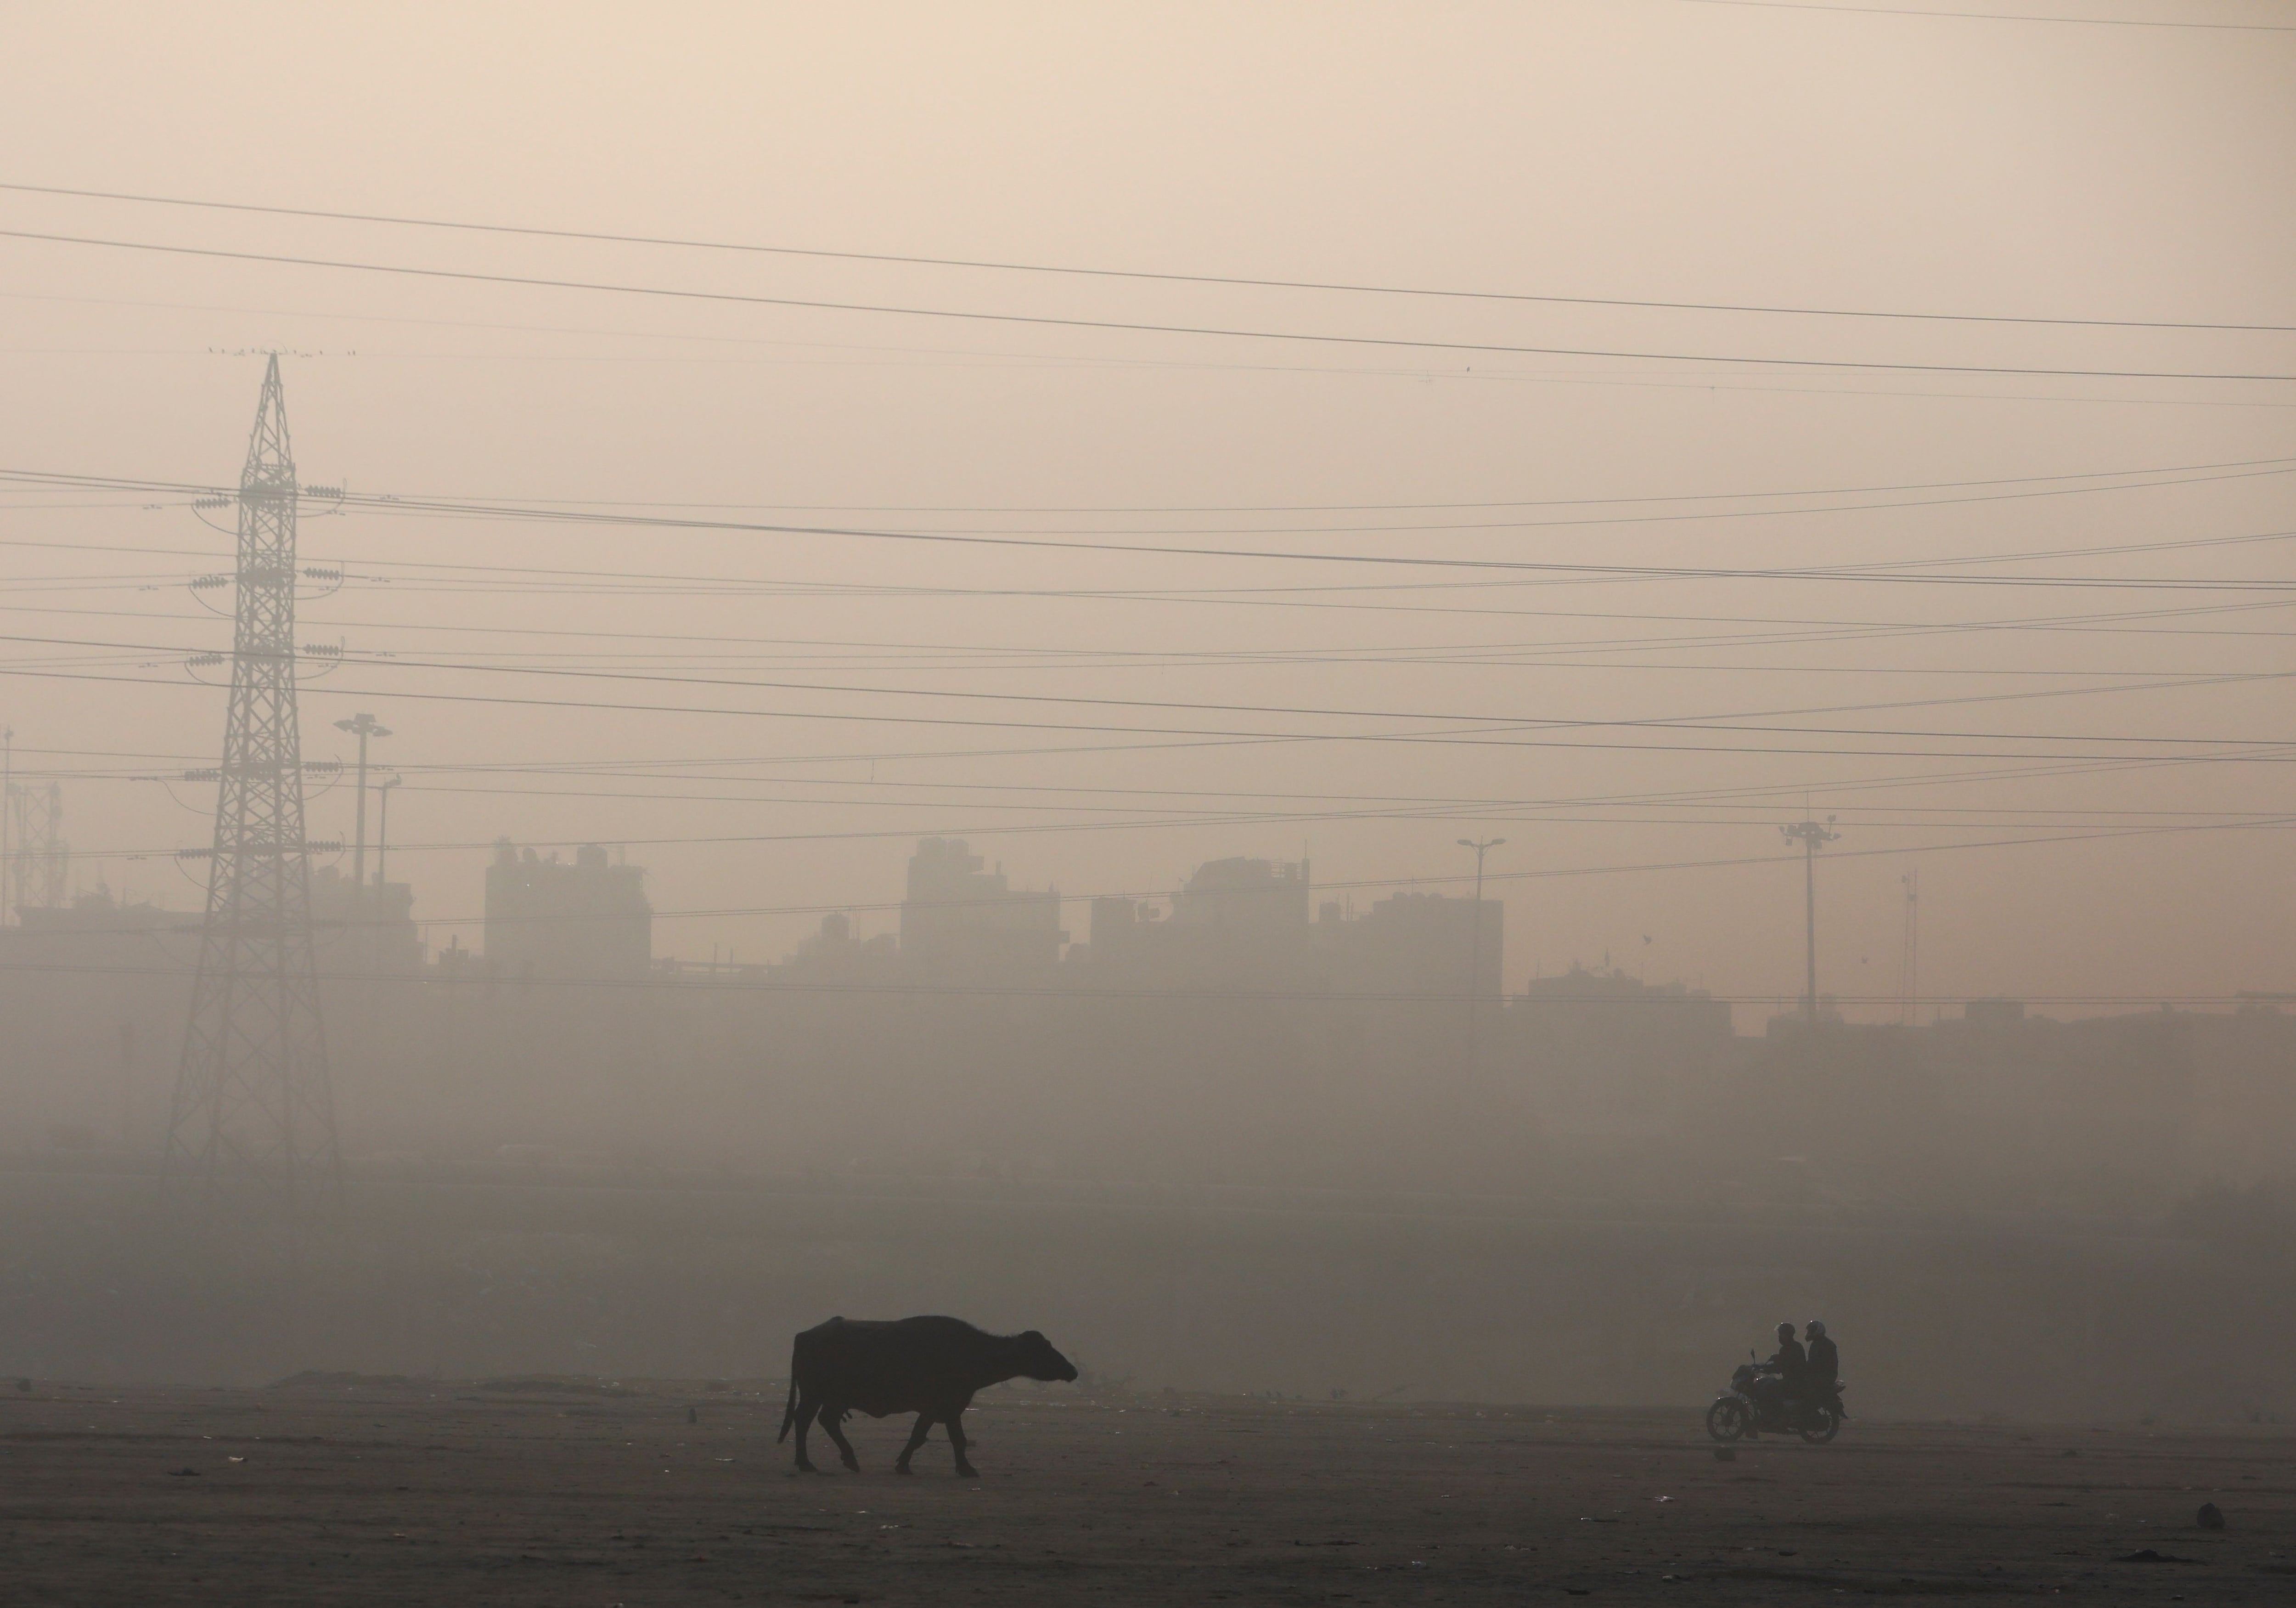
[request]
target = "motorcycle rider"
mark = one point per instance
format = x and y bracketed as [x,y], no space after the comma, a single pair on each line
[1781,1377]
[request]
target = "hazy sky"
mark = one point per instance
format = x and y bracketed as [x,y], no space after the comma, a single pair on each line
[1667,150]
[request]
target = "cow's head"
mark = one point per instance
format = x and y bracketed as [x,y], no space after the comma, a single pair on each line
[1037,1359]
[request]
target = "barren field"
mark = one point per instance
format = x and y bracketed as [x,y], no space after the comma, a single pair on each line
[364,1490]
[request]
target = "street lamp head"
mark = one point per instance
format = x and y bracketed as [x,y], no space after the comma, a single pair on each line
[1466,842]
[1497,841]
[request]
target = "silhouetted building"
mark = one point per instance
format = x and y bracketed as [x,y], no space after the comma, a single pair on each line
[1420,943]
[1605,1056]
[585,920]
[1260,901]
[358,931]
[1610,1005]
[1237,924]
[1994,1012]
[92,995]
[956,913]
[836,953]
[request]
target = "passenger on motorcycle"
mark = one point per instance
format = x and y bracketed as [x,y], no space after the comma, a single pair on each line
[1824,1370]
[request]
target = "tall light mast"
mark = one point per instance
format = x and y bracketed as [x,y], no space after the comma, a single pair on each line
[1809,834]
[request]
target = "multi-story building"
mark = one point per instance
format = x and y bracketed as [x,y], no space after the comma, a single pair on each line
[958,913]
[585,920]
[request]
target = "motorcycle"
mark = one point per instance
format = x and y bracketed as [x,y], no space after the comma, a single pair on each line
[1744,1411]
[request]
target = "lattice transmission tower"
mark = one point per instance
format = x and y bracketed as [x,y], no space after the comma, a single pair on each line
[252,1106]
[38,859]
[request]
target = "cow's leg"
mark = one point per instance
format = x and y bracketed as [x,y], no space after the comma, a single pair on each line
[806,1409]
[830,1417]
[956,1422]
[916,1439]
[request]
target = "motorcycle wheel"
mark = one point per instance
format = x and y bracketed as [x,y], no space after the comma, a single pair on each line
[1828,1424]
[1727,1419]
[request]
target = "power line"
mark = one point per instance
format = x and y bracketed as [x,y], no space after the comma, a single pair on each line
[1569,655]
[1907,10]
[1047,321]
[1733,722]
[1706,497]
[699,982]
[946,356]
[549,509]
[1231,281]
[1496,735]
[1765,794]
[1709,863]
[1895,571]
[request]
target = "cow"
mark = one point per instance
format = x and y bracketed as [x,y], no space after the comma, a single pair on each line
[927,1365]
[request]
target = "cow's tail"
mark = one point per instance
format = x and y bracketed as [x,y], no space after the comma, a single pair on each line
[789,1413]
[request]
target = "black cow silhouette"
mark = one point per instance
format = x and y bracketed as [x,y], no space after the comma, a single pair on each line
[930,1366]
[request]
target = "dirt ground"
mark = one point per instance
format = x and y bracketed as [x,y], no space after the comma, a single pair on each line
[368,1491]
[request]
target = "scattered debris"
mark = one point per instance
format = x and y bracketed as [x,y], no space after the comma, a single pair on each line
[178,1474]
[692,1417]
[2147,1556]
[2210,1517]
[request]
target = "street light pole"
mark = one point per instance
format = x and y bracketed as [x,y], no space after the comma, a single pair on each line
[1809,834]
[362,726]
[1475,945]
[382,826]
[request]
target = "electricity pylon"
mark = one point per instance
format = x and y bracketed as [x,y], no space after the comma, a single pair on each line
[252,1109]
[39,859]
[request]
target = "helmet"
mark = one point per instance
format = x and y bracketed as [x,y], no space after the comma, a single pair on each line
[1817,1328]
[1785,1332]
